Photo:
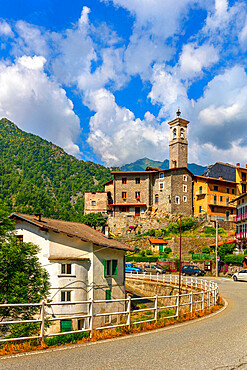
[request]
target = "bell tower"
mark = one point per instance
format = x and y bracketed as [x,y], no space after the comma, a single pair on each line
[178,145]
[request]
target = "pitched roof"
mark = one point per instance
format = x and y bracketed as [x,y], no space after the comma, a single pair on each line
[214,179]
[227,242]
[74,229]
[157,241]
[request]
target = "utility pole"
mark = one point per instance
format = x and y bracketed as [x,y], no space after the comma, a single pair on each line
[216,248]
[180,257]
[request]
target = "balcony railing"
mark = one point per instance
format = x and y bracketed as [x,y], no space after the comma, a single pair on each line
[242,235]
[240,217]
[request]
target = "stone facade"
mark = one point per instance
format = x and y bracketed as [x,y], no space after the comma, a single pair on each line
[95,202]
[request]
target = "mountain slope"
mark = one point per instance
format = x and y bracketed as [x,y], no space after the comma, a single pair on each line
[36,175]
[141,164]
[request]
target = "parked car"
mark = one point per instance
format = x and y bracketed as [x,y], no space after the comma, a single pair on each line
[241,275]
[129,267]
[154,269]
[192,270]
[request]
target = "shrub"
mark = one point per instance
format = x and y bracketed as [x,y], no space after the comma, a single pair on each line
[151,232]
[245,251]
[142,253]
[167,250]
[67,338]
[148,252]
[206,250]
[234,259]
[158,233]
[209,230]
[141,259]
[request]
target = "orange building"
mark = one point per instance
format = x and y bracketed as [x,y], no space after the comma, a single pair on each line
[213,197]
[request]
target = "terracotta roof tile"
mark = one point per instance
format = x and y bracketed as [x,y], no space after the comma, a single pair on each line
[76,229]
[157,241]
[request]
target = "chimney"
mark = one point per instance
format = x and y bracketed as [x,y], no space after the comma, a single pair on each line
[38,215]
[220,177]
[238,164]
[246,166]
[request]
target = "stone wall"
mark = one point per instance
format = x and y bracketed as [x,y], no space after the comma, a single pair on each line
[95,202]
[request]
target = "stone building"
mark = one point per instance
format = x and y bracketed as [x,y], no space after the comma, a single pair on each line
[134,192]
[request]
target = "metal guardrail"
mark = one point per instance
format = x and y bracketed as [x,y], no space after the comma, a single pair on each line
[206,297]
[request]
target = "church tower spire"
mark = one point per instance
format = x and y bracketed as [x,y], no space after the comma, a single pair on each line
[178,145]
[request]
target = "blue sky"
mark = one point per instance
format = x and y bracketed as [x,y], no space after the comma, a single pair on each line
[101,78]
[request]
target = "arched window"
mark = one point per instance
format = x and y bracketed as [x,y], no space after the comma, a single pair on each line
[182,133]
[174,133]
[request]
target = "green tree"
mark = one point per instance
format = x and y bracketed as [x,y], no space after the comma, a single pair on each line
[206,250]
[224,250]
[22,280]
[94,219]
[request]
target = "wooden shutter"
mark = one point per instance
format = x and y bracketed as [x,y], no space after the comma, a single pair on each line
[114,267]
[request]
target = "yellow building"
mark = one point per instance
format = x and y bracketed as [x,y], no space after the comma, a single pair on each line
[241,179]
[213,197]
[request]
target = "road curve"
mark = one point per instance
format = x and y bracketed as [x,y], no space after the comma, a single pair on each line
[217,342]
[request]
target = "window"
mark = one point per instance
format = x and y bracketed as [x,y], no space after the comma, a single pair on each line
[227,201]
[200,209]
[161,185]
[243,188]
[81,324]
[123,209]
[228,190]
[174,133]
[110,268]
[65,296]
[233,191]
[161,175]
[138,195]
[216,188]
[215,199]
[212,208]
[65,325]
[124,195]
[108,295]
[185,178]
[66,268]
[177,200]
[156,199]
[124,180]
[200,190]
[243,176]
[93,203]
[221,198]
[185,188]
[138,180]
[185,199]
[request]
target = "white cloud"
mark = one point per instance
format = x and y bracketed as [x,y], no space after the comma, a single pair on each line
[194,59]
[117,137]
[5,29]
[220,114]
[243,36]
[37,104]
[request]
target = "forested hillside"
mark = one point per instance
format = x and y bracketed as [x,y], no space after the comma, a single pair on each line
[38,176]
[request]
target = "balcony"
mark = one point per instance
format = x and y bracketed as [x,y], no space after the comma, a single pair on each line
[242,235]
[220,203]
[240,217]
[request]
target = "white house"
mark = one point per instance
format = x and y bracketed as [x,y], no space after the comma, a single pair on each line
[82,263]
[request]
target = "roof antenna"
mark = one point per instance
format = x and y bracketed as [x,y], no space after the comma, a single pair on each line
[178,113]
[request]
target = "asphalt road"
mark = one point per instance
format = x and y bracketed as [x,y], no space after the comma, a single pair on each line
[216,342]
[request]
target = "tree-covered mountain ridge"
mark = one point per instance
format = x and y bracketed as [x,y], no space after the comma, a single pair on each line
[142,164]
[38,176]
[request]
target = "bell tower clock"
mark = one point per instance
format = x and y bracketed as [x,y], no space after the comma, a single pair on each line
[178,145]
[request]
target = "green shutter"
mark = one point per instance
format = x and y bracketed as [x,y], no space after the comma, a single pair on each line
[66,325]
[161,248]
[108,295]
[104,267]
[114,267]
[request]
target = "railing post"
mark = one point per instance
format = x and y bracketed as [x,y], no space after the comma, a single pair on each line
[128,323]
[208,299]
[91,317]
[42,317]
[177,305]
[191,302]
[156,308]
[202,301]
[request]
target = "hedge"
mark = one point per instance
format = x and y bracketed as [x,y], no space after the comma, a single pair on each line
[141,259]
[234,259]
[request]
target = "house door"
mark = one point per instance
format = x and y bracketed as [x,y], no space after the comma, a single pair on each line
[137,211]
